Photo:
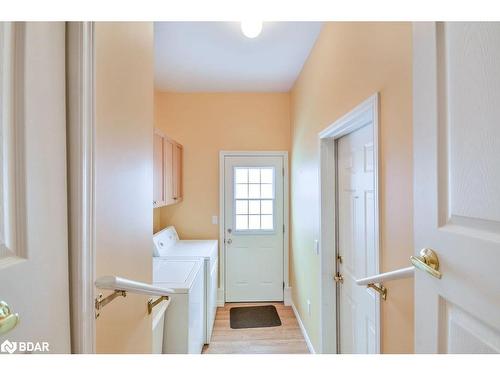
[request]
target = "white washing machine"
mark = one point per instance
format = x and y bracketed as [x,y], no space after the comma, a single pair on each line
[167,245]
[184,330]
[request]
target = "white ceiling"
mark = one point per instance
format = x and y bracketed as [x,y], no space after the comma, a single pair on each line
[217,57]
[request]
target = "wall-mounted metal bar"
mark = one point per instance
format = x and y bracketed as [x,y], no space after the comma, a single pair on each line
[401,273]
[136,287]
[122,286]
[427,261]
[152,303]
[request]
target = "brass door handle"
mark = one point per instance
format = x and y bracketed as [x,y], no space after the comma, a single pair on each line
[8,320]
[427,261]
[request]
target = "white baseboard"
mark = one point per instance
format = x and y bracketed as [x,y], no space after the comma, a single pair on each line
[303,330]
[220,297]
[287,296]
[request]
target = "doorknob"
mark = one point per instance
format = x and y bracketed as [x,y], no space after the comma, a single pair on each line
[229,241]
[427,261]
[8,321]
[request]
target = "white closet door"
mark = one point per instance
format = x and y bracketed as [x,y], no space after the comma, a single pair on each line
[356,220]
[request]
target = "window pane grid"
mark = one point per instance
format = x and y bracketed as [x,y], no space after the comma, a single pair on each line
[254,198]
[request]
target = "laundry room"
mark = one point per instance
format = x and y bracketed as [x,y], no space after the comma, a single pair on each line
[246,187]
[204,120]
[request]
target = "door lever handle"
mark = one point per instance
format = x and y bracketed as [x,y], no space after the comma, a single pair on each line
[8,320]
[427,261]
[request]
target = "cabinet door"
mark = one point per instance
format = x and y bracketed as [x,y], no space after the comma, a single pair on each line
[169,171]
[158,171]
[177,173]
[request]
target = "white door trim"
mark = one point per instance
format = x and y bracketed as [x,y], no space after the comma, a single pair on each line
[222,264]
[81,188]
[365,112]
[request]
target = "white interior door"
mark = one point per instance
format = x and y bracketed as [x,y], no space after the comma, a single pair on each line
[254,228]
[356,241]
[457,185]
[33,221]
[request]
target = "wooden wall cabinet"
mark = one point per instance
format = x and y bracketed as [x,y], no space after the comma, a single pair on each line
[167,173]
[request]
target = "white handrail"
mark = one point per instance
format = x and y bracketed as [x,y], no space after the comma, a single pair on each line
[402,273]
[120,284]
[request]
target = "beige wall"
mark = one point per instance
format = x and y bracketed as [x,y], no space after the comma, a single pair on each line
[156,219]
[350,62]
[124,180]
[206,123]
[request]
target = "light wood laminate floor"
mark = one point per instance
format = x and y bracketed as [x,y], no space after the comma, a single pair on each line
[285,339]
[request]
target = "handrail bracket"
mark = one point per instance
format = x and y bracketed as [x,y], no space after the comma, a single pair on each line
[380,289]
[100,302]
[152,303]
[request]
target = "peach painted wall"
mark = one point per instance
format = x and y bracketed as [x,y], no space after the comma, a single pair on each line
[124,102]
[206,123]
[350,62]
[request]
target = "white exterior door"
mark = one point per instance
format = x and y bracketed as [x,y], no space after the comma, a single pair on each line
[33,223]
[254,228]
[457,185]
[356,241]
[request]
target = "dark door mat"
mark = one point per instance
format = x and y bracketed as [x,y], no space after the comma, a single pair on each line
[254,317]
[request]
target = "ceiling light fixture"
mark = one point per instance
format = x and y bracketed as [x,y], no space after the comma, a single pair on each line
[251,29]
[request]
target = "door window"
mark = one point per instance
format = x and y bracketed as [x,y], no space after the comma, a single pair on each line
[254,198]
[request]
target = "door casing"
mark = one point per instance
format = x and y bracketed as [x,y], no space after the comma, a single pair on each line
[81,186]
[367,111]
[222,264]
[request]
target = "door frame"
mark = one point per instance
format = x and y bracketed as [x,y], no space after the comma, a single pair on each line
[221,295]
[355,119]
[81,183]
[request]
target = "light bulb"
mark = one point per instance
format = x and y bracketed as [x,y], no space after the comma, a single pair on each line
[251,29]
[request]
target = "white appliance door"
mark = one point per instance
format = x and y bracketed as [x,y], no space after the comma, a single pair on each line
[356,221]
[457,185]
[253,226]
[33,228]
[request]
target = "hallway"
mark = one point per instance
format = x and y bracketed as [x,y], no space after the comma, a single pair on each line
[285,339]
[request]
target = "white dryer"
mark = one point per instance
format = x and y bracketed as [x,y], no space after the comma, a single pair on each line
[168,245]
[183,330]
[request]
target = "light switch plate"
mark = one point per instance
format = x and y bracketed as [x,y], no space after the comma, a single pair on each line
[215,220]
